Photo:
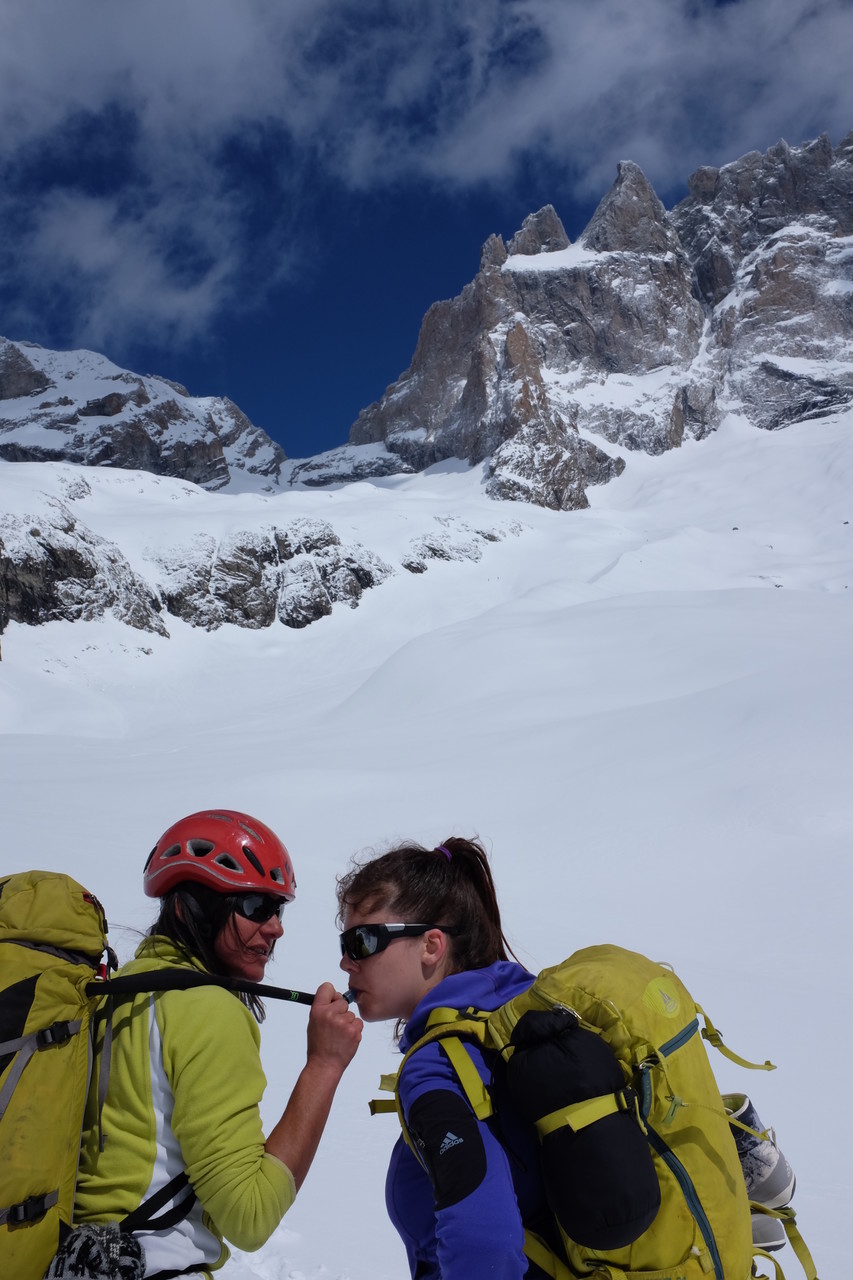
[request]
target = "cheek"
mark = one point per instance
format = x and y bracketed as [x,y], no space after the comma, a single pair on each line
[231,937]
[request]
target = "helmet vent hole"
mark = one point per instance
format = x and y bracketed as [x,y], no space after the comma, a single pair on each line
[254,861]
[172,851]
[277,875]
[230,864]
[199,848]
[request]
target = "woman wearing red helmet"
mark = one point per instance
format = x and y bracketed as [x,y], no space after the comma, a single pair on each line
[173,1147]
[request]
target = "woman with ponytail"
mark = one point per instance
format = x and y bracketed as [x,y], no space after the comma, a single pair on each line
[422,930]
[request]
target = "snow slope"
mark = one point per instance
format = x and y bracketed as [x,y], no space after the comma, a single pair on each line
[644,709]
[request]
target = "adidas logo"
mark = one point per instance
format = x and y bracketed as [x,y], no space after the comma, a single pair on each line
[450,1140]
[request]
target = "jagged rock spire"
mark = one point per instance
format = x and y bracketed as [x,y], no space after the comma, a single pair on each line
[630,218]
[541,232]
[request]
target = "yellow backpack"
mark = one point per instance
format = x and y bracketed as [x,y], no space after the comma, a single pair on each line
[702,1229]
[53,934]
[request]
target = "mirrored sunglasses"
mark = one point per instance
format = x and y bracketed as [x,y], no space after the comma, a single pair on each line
[258,907]
[364,940]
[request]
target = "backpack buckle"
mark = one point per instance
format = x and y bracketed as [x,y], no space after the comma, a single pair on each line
[57,1034]
[29,1210]
[629,1100]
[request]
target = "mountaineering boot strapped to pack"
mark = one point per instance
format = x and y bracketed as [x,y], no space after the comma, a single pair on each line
[640,1165]
[770,1180]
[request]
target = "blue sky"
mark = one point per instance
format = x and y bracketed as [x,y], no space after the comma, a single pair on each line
[261,199]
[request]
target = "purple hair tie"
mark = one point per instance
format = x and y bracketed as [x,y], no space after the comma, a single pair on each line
[440,848]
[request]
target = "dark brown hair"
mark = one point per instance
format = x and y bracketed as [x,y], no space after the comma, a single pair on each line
[193,916]
[451,885]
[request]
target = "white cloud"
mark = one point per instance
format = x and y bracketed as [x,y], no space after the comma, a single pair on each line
[367,94]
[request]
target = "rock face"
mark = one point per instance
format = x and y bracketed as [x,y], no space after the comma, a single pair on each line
[729,212]
[76,406]
[55,565]
[642,333]
[52,566]
[344,466]
[294,574]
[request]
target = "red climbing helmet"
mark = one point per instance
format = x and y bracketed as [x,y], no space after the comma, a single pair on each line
[226,850]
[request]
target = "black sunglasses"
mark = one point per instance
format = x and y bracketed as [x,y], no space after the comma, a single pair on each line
[258,907]
[364,940]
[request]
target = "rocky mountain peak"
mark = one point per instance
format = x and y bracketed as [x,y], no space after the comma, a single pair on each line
[541,232]
[630,218]
[639,333]
[493,252]
[728,212]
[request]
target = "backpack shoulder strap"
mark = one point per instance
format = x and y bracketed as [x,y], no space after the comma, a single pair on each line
[448,1027]
[445,1026]
[148,1216]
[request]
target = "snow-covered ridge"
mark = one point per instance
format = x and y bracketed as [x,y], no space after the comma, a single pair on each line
[77,543]
[78,406]
[568,259]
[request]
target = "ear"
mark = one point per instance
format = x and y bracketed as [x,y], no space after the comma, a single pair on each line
[435,953]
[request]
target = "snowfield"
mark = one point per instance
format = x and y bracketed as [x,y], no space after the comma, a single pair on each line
[644,709]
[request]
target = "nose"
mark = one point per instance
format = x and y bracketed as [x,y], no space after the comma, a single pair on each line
[347,964]
[272,928]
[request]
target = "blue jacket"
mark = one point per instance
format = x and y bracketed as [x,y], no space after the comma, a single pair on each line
[459,1209]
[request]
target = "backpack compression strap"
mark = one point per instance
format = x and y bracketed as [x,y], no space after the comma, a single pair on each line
[29,1210]
[24,1047]
[788,1218]
[714,1037]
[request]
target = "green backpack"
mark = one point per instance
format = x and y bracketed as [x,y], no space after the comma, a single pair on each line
[53,935]
[702,1227]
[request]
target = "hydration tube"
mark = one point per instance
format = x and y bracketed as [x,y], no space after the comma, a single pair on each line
[132,984]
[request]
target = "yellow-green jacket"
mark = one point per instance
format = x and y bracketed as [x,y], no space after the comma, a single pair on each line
[185,1083]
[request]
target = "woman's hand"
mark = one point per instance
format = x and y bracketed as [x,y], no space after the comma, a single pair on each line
[334,1031]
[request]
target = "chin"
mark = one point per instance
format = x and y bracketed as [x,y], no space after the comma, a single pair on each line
[251,970]
[367,1014]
